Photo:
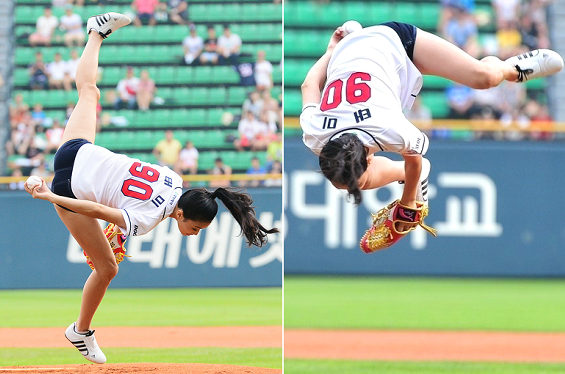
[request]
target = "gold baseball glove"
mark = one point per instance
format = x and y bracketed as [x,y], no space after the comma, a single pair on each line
[383,232]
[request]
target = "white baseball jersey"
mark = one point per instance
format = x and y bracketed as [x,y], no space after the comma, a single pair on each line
[370,79]
[145,193]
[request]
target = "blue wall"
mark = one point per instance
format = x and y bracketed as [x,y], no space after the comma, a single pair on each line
[36,250]
[498,208]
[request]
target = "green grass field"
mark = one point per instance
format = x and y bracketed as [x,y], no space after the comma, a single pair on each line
[146,307]
[422,304]
[377,367]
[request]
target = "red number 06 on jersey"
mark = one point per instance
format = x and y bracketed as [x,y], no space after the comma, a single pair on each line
[136,188]
[356,91]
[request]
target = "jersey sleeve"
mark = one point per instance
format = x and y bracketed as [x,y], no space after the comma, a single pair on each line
[404,138]
[138,224]
[307,124]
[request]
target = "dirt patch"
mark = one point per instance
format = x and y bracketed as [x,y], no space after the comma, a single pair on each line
[141,368]
[425,345]
[150,337]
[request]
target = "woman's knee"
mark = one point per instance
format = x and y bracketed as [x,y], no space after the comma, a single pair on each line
[88,89]
[107,270]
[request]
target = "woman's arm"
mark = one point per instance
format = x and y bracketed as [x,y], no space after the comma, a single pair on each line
[85,207]
[412,170]
[316,77]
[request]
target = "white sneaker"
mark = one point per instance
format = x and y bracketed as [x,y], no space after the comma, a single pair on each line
[107,23]
[86,344]
[536,64]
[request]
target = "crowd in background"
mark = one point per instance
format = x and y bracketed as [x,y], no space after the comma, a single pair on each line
[34,135]
[520,26]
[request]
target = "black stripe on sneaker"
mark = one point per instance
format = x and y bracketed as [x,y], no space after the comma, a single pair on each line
[98,21]
[106,17]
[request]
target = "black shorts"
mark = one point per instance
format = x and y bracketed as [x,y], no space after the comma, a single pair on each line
[63,165]
[407,34]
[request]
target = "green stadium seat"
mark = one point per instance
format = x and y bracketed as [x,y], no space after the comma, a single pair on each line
[112,75]
[292,102]
[214,117]
[216,96]
[206,160]
[178,117]
[196,117]
[185,75]
[21,77]
[437,102]
[236,95]
[429,15]
[202,74]
[165,75]
[224,74]
[407,13]
[144,118]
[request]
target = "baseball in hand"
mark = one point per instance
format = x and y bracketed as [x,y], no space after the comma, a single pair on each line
[33,182]
[351,26]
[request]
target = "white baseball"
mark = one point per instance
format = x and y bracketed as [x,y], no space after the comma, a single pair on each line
[33,181]
[351,26]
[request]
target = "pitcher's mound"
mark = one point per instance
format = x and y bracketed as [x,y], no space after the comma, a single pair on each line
[140,368]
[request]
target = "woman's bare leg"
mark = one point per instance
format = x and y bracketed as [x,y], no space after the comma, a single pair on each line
[86,230]
[436,56]
[82,123]
[91,238]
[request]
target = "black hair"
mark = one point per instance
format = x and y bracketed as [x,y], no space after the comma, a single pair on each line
[200,204]
[343,161]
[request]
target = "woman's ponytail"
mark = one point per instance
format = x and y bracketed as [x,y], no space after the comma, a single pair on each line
[200,205]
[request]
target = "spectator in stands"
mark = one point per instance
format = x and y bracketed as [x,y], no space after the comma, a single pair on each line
[220,169]
[145,12]
[263,72]
[127,91]
[71,23]
[272,109]
[210,54]
[248,128]
[509,39]
[255,169]
[18,110]
[44,28]
[276,168]
[460,100]
[448,7]
[534,34]
[54,136]
[462,31]
[17,173]
[266,133]
[38,116]
[41,169]
[69,110]
[506,11]
[178,11]
[229,46]
[274,151]
[253,103]
[192,45]
[167,150]
[57,72]
[38,73]
[188,159]
[145,91]
[72,64]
